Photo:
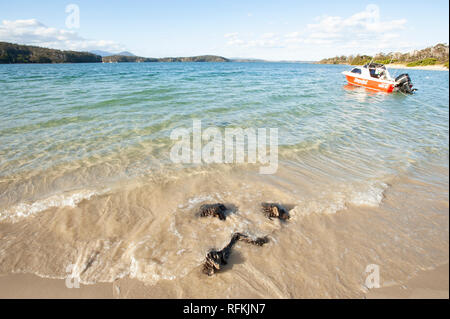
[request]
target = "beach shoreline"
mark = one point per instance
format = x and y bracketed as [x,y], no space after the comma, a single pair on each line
[426,277]
[106,203]
[436,67]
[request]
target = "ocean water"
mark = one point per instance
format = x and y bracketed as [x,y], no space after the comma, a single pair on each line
[86,176]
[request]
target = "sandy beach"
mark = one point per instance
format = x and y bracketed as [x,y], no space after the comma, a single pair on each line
[402,248]
[204,153]
[89,189]
[439,67]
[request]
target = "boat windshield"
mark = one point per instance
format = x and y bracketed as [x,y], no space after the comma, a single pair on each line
[374,73]
[375,66]
[379,73]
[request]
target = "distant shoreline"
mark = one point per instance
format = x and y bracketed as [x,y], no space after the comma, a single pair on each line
[436,67]
[431,58]
[11,53]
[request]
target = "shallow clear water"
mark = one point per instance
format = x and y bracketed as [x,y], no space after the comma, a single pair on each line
[75,136]
[61,117]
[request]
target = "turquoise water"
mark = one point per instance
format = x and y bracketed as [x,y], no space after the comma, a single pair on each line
[59,119]
[86,177]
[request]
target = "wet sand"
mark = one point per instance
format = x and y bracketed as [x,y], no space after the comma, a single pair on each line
[33,287]
[429,284]
[322,251]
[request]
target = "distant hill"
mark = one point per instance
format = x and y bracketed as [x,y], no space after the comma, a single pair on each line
[101,53]
[126,53]
[246,60]
[15,53]
[250,60]
[201,58]
[125,58]
[438,54]
[107,53]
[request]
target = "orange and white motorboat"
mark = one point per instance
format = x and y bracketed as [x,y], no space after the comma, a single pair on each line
[375,76]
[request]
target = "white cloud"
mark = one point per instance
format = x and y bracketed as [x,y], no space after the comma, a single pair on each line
[233,39]
[363,24]
[231,35]
[363,32]
[268,35]
[33,32]
[291,35]
[266,40]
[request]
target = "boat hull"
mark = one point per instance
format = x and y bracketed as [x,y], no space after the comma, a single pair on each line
[370,84]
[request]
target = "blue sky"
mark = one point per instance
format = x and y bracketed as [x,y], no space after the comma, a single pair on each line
[274,30]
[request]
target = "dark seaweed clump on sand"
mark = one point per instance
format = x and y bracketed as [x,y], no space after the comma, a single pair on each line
[215,259]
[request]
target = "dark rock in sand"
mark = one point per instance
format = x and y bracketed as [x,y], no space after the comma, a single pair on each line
[215,259]
[215,210]
[273,210]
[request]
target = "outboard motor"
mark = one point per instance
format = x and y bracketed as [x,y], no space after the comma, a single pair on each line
[403,84]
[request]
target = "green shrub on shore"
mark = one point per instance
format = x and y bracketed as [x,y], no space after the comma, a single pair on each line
[361,60]
[386,61]
[423,62]
[437,54]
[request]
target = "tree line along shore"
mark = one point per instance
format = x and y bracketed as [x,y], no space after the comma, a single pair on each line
[435,55]
[16,53]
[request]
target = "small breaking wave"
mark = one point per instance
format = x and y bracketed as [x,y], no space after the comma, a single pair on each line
[23,210]
[371,195]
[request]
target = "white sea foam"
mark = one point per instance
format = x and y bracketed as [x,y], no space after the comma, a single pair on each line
[196,200]
[372,196]
[23,210]
[149,272]
[368,195]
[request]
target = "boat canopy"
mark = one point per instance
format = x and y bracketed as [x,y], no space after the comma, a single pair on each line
[373,65]
[372,71]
